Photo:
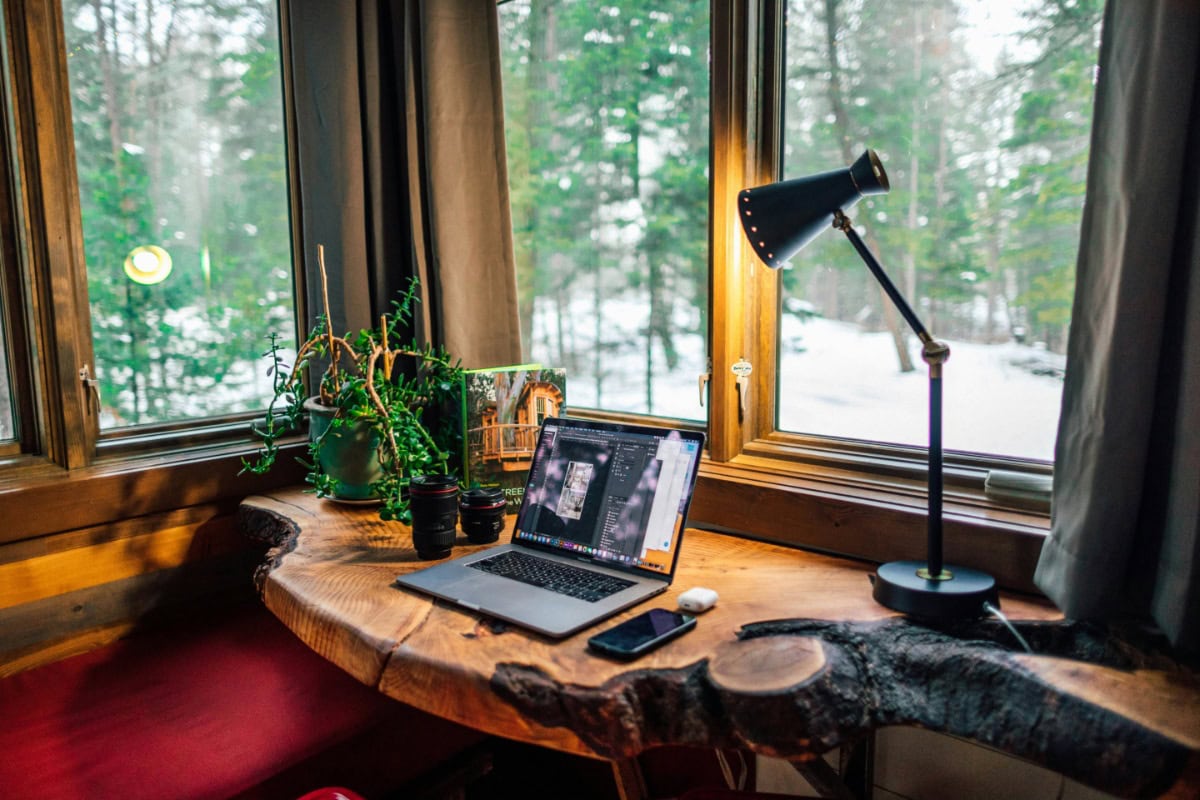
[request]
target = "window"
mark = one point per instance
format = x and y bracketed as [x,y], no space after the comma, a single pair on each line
[8,431]
[10,286]
[146,239]
[607,124]
[181,161]
[982,117]
[981,113]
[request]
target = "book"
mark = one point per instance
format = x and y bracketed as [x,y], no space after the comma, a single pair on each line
[502,411]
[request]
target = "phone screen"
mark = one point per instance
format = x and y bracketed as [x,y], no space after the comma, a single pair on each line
[642,633]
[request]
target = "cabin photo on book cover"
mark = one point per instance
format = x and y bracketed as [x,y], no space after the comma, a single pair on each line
[503,410]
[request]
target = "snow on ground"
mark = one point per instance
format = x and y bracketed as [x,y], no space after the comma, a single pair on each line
[845,382]
[838,380]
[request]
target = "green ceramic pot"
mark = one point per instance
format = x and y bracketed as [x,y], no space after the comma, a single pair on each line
[349,454]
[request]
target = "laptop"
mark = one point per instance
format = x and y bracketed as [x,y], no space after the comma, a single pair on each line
[598,530]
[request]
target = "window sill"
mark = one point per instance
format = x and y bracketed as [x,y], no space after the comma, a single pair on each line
[868,516]
[38,499]
[904,469]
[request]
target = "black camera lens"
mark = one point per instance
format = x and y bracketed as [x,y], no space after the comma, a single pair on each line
[433,502]
[482,511]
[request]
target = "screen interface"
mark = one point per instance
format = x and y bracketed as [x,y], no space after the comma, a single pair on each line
[616,496]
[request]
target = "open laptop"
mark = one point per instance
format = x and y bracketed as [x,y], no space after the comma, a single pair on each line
[598,530]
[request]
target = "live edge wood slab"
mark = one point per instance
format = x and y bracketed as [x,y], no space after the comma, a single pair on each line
[795,659]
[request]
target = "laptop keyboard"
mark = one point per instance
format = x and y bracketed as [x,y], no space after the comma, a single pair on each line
[584,584]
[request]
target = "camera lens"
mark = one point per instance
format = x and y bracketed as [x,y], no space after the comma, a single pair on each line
[433,502]
[482,513]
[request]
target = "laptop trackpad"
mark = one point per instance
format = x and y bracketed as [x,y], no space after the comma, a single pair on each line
[475,589]
[471,588]
[508,599]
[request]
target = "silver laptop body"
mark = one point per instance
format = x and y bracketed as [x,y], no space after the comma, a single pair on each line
[607,497]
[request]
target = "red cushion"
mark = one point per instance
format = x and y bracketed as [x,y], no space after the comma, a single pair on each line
[205,713]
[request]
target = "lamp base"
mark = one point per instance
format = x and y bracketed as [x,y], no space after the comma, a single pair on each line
[900,586]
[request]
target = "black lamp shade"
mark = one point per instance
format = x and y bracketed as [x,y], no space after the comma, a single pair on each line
[780,218]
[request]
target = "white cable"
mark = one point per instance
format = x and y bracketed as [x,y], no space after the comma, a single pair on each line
[998,614]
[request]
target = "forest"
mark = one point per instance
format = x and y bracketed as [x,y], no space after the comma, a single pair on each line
[179,144]
[981,116]
[980,111]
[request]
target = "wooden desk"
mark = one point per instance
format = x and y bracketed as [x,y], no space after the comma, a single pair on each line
[795,659]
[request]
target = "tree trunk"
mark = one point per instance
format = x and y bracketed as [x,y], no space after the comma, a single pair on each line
[110,84]
[914,163]
[541,38]
[891,317]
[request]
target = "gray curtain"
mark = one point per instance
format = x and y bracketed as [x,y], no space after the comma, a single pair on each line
[402,169]
[1125,538]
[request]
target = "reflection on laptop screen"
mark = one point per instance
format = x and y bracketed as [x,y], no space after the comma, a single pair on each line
[617,496]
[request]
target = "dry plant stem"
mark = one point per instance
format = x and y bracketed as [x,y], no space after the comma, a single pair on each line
[337,345]
[378,401]
[387,356]
[333,366]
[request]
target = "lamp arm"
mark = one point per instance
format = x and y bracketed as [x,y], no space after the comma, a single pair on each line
[842,223]
[934,353]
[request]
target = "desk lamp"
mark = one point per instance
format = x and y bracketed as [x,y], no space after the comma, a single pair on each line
[781,218]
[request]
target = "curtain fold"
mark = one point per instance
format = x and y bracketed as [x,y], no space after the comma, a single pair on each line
[402,168]
[328,175]
[459,165]
[1125,536]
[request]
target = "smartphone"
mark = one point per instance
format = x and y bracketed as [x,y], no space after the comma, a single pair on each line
[641,634]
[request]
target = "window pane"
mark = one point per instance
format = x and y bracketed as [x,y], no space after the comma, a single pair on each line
[179,141]
[8,412]
[980,112]
[8,427]
[606,109]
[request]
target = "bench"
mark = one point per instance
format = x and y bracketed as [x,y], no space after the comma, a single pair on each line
[231,706]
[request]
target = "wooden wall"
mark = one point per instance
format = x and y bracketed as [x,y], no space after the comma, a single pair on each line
[69,592]
[87,558]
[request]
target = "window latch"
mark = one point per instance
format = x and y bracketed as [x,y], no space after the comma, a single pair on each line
[92,385]
[704,376]
[742,369]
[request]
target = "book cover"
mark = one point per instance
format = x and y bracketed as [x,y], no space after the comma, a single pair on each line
[503,409]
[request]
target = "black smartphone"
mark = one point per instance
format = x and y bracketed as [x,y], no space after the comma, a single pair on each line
[641,634]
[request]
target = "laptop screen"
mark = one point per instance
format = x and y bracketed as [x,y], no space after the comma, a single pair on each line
[617,494]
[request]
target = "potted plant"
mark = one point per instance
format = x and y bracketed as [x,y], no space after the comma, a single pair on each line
[369,431]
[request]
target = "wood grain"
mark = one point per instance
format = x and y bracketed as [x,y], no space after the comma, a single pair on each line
[795,659]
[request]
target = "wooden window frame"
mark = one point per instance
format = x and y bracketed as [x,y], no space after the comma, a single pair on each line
[63,474]
[860,499]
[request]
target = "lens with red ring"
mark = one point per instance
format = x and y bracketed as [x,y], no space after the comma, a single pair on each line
[433,502]
[482,512]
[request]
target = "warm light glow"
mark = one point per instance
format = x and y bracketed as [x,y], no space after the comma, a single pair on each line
[148,264]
